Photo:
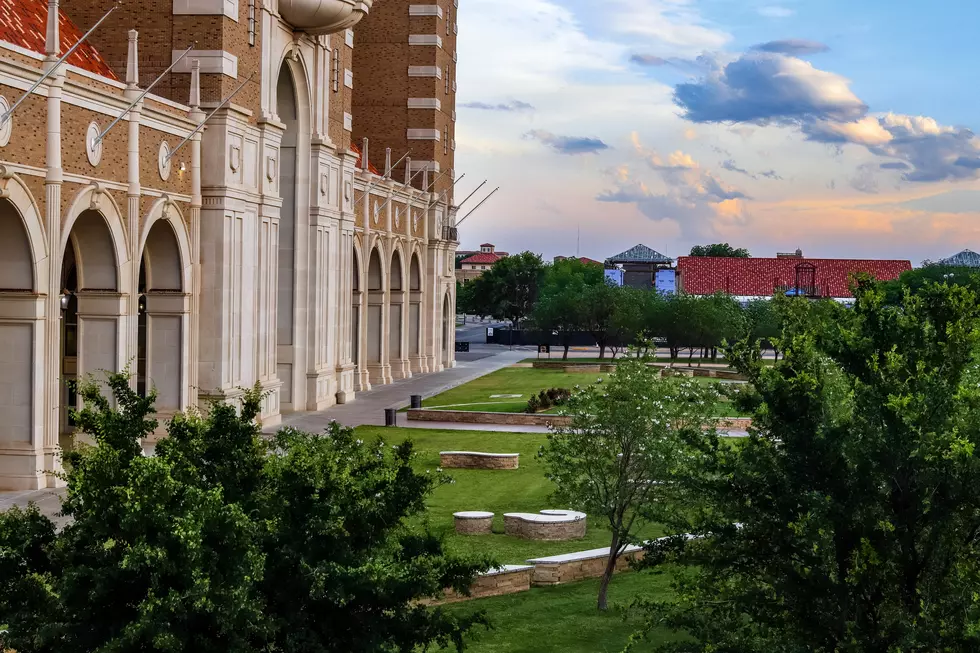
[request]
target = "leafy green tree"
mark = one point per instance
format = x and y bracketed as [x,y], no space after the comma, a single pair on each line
[719,250]
[614,459]
[849,520]
[915,280]
[559,308]
[509,290]
[762,322]
[599,305]
[224,541]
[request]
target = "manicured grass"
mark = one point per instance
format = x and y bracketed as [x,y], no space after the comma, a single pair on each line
[564,619]
[520,490]
[478,394]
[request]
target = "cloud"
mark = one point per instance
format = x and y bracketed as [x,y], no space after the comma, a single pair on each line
[864,179]
[865,131]
[793,47]
[895,165]
[770,174]
[513,105]
[766,88]
[567,144]
[730,165]
[693,198]
[775,11]
[648,60]
[674,25]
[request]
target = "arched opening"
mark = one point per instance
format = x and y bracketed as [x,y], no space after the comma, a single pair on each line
[415,307]
[17,337]
[375,279]
[161,318]
[395,308]
[355,311]
[286,108]
[90,307]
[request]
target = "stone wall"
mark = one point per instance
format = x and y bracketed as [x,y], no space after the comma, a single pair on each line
[510,579]
[553,531]
[578,566]
[476,460]
[474,417]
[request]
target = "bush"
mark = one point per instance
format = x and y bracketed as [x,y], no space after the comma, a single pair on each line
[744,397]
[547,399]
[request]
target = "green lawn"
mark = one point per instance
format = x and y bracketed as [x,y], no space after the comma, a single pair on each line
[564,619]
[482,394]
[521,490]
[478,395]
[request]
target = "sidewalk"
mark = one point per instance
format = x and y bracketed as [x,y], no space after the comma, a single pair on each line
[368,407]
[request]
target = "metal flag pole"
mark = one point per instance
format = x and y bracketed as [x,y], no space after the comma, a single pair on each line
[471,194]
[50,71]
[382,208]
[98,139]
[371,183]
[438,177]
[200,126]
[476,207]
[443,193]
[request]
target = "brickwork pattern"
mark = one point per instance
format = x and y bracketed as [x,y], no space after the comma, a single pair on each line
[567,572]
[558,531]
[463,460]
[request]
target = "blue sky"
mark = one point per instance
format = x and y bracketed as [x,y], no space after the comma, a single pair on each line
[843,128]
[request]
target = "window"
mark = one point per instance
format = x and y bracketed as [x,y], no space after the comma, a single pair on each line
[447,79]
[336,69]
[445,140]
[483,267]
[449,20]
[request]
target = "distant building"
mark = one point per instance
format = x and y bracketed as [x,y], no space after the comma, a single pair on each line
[797,254]
[639,265]
[761,278]
[477,263]
[967,259]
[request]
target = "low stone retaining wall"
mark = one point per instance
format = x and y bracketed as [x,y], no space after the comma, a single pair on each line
[473,522]
[568,567]
[478,460]
[476,417]
[508,579]
[548,525]
[734,423]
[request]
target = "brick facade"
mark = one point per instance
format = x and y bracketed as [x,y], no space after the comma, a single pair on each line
[550,531]
[474,460]
[556,573]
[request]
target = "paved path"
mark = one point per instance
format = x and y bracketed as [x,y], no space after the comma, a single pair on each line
[368,407]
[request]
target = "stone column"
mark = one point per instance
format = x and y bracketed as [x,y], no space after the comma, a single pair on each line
[53,179]
[133,222]
[195,235]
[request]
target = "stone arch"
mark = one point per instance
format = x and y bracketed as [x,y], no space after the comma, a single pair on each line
[415,274]
[396,301]
[291,58]
[357,285]
[91,209]
[18,203]
[166,252]
[448,326]
[397,275]
[375,269]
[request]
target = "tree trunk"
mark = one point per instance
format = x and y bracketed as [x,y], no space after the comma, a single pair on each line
[564,356]
[602,351]
[607,574]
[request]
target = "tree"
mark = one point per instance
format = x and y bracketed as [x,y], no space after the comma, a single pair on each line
[916,279]
[224,541]
[599,304]
[849,520]
[559,308]
[719,250]
[762,322]
[509,289]
[614,458]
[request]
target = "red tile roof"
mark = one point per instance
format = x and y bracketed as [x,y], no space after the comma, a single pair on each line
[484,258]
[583,259]
[24,23]
[762,277]
[357,151]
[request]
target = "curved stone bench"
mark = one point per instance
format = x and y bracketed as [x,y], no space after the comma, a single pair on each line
[478,460]
[551,525]
[473,522]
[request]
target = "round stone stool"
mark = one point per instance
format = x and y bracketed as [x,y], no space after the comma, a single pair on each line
[473,522]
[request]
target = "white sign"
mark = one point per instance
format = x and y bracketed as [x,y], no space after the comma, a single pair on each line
[489,332]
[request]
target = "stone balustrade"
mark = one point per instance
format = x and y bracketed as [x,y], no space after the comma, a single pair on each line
[478,460]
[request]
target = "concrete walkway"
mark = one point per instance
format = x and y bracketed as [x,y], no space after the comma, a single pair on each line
[368,407]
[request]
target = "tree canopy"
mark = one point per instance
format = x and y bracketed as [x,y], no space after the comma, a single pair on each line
[508,290]
[226,542]
[719,250]
[849,520]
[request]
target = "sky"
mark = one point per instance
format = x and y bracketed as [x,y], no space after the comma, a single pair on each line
[843,128]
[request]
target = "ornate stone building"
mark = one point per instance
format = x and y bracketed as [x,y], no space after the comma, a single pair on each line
[266,247]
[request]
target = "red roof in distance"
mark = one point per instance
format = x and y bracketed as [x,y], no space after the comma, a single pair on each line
[359,165]
[24,23]
[484,258]
[583,259]
[762,277]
